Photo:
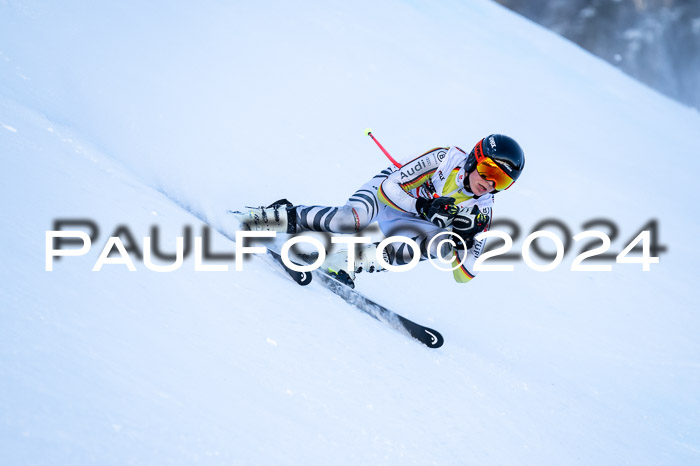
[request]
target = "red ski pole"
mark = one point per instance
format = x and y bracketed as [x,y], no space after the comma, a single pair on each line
[368,132]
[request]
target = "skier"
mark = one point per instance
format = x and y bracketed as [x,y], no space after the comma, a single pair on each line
[443,188]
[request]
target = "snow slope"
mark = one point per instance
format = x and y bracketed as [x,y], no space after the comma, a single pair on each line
[118,113]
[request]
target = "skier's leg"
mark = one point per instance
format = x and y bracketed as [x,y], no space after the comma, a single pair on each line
[392,223]
[359,211]
[420,231]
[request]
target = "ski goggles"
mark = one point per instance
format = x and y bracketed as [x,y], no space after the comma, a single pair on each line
[492,172]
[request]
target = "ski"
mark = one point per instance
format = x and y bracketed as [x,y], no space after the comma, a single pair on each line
[426,335]
[302,278]
[343,286]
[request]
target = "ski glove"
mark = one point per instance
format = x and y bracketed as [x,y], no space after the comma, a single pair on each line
[440,210]
[468,224]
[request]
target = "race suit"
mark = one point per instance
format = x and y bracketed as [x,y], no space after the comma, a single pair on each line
[389,198]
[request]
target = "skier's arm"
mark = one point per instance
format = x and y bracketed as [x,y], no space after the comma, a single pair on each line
[395,189]
[465,272]
[480,221]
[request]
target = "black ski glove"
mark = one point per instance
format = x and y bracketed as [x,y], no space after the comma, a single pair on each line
[440,210]
[468,224]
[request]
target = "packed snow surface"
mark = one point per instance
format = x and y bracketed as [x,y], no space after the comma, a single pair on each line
[155,116]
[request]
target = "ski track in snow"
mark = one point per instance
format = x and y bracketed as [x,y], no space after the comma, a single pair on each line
[8,127]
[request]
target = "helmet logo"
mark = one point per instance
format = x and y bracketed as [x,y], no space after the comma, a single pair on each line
[492,142]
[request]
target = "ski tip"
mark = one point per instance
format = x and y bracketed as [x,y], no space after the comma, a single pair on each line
[432,338]
[305,278]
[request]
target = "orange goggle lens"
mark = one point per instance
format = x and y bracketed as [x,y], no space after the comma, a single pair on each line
[492,172]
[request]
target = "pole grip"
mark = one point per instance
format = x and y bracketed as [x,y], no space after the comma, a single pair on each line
[368,132]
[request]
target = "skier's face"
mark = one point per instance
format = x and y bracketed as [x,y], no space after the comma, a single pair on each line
[479,184]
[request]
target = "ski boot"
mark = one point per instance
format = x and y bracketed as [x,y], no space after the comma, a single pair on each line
[279,216]
[336,264]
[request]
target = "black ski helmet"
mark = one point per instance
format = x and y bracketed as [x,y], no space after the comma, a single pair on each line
[503,150]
